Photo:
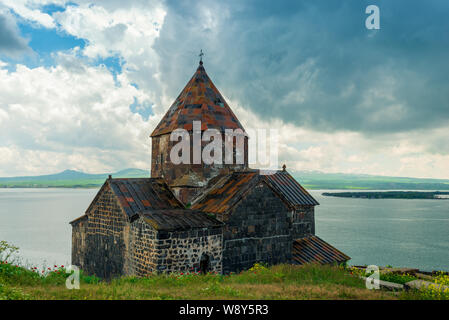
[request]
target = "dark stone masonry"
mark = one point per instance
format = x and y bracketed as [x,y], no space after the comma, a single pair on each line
[99,238]
[198,217]
[174,251]
[258,229]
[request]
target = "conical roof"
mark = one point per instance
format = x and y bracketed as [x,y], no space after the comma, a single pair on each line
[201,101]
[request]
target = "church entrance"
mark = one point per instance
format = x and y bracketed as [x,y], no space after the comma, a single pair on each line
[204,263]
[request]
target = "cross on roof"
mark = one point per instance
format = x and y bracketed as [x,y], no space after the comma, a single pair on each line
[201,55]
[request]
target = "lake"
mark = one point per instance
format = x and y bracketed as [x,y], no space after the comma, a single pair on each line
[403,233]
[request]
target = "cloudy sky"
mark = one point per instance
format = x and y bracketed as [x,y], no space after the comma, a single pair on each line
[83,83]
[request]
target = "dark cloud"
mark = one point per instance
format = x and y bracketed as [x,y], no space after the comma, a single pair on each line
[11,42]
[314,63]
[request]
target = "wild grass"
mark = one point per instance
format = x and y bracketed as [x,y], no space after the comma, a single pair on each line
[277,282]
[284,281]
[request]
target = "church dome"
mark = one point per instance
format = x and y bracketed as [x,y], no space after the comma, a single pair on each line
[201,101]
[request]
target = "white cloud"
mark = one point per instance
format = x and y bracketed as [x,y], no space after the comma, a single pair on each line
[75,116]
[59,117]
[125,31]
[30,10]
[128,32]
[405,154]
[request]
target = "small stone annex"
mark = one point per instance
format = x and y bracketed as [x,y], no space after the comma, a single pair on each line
[198,217]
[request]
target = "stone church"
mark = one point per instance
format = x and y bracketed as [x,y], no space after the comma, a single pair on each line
[198,217]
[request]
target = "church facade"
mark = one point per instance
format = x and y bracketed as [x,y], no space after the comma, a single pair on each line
[196,216]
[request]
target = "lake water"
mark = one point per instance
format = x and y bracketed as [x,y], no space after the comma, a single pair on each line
[408,233]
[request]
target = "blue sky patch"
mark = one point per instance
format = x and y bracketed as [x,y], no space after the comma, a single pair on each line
[45,41]
[52,8]
[144,109]
[114,64]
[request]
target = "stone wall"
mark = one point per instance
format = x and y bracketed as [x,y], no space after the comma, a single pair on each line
[106,244]
[79,233]
[107,228]
[303,222]
[173,251]
[142,248]
[258,229]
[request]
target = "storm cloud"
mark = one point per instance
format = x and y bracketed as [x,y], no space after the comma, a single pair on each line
[314,63]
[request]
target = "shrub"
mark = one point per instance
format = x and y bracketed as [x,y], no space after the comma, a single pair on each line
[258,266]
[439,290]
[7,293]
[16,275]
[7,250]
[397,278]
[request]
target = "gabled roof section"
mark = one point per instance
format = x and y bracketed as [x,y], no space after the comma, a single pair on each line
[140,194]
[229,190]
[179,219]
[313,249]
[285,184]
[135,195]
[201,101]
[79,219]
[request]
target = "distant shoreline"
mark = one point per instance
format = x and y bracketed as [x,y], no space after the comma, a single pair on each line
[363,191]
[436,195]
[309,180]
[52,187]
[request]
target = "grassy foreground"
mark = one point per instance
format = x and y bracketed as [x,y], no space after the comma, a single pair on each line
[284,281]
[277,282]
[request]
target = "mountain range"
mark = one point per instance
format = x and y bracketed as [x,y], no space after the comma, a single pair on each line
[309,179]
[69,179]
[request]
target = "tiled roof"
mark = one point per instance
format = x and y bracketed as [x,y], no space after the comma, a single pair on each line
[199,100]
[228,190]
[139,194]
[179,219]
[312,249]
[285,184]
[153,199]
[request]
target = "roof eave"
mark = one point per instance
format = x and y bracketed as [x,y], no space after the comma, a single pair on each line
[84,216]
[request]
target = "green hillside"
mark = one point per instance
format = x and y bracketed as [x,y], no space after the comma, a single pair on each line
[320,180]
[309,179]
[69,179]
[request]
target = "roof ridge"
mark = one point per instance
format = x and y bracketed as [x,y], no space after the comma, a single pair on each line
[206,190]
[199,100]
[223,195]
